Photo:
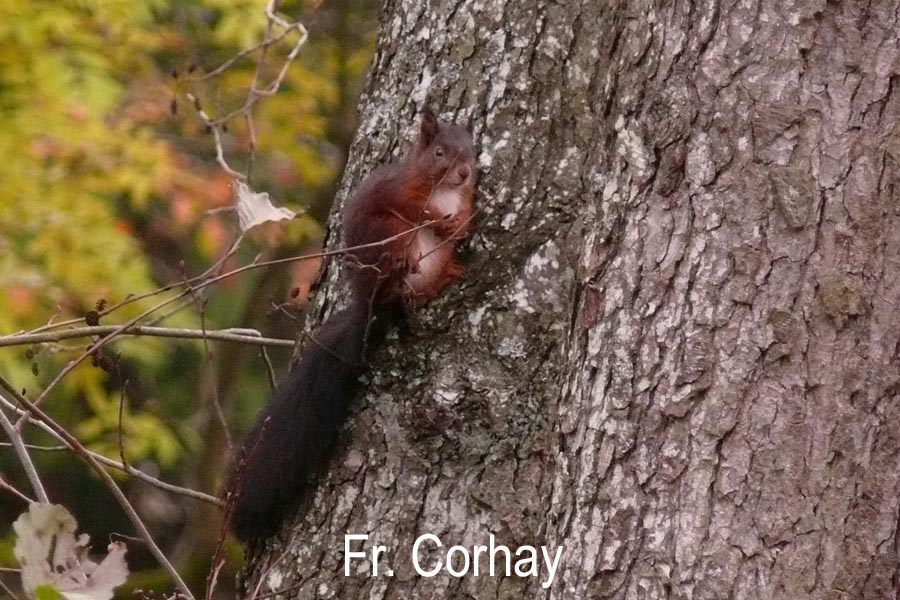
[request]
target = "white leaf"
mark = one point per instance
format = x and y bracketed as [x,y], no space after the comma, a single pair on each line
[254,208]
[50,554]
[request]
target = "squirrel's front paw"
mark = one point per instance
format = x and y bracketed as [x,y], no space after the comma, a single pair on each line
[449,225]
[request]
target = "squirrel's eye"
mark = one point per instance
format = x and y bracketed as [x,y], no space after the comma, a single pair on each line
[438,151]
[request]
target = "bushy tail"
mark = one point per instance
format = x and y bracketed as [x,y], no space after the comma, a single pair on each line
[292,439]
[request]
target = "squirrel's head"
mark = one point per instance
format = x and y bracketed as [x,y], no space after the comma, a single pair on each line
[446,152]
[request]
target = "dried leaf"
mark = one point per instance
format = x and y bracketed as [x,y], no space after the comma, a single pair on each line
[54,560]
[255,209]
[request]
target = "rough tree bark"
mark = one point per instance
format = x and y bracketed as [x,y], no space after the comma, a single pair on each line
[675,351]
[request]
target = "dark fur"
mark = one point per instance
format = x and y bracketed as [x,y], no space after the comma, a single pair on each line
[291,441]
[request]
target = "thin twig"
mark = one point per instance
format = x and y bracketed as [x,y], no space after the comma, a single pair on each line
[323,254]
[15,438]
[214,393]
[154,322]
[14,491]
[36,447]
[266,42]
[255,92]
[220,264]
[248,113]
[243,336]
[121,417]
[8,591]
[217,137]
[270,370]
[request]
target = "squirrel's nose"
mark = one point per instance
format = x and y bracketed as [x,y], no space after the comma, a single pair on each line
[464,171]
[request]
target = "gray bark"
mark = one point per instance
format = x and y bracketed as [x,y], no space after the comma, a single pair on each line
[675,349]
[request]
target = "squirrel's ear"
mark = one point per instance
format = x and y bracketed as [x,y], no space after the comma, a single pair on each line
[429,127]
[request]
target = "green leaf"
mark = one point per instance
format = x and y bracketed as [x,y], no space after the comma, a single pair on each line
[47,592]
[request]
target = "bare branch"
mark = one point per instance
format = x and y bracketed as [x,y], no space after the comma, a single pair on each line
[15,438]
[121,418]
[14,491]
[270,370]
[217,137]
[214,392]
[8,591]
[34,446]
[244,336]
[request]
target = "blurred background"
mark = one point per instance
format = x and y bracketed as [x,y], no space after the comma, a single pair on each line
[109,187]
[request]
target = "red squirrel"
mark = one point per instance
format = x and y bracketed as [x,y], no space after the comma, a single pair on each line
[433,185]
[401,227]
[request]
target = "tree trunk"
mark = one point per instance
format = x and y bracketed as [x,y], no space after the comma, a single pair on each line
[675,349]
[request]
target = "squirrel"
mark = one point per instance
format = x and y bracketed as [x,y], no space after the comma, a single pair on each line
[401,227]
